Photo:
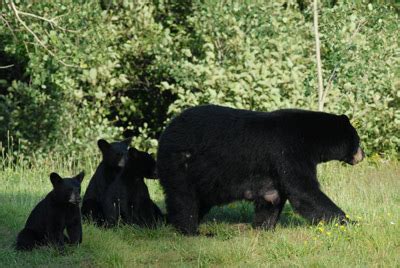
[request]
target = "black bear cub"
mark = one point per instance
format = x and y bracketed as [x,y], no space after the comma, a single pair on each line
[59,210]
[128,197]
[114,159]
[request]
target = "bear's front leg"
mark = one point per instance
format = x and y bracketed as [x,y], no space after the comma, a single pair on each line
[158,215]
[308,200]
[266,214]
[56,238]
[74,231]
[315,206]
[111,209]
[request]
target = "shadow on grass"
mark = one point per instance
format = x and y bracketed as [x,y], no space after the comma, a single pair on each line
[243,212]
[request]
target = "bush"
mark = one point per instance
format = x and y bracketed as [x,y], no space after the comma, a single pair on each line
[363,48]
[261,57]
[58,107]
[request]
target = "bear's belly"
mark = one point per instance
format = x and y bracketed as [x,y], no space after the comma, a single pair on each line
[251,189]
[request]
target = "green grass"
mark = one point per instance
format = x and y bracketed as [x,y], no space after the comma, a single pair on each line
[369,193]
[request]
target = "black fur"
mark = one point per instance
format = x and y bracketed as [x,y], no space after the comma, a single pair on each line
[128,197]
[114,159]
[211,155]
[58,211]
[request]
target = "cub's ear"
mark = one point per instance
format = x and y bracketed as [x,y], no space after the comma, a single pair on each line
[55,179]
[133,153]
[344,117]
[127,141]
[103,145]
[80,176]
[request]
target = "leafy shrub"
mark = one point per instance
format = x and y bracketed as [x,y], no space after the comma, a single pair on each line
[72,105]
[361,45]
[138,63]
[261,57]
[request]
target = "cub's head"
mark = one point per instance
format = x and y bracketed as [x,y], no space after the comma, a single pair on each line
[67,190]
[352,152]
[114,154]
[141,163]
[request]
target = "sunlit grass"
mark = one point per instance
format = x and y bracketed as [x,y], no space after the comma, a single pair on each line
[369,193]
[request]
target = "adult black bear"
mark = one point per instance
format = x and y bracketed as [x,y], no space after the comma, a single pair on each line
[59,210]
[114,159]
[211,155]
[128,197]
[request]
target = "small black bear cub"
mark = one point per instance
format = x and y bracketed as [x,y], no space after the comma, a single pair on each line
[128,197]
[114,159]
[59,210]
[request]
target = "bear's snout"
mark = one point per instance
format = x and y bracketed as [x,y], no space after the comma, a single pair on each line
[75,198]
[122,161]
[358,156]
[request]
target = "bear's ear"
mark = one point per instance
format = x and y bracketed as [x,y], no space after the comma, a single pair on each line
[344,117]
[55,179]
[103,145]
[80,176]
[133,153]
[127,141]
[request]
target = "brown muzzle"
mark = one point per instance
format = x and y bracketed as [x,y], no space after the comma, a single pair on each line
[358,156]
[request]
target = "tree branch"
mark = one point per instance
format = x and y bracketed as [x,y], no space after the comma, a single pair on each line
[330,82]
[333,74]
[318,56]
[16,12]
[7,66]
[8,25]
[51,21]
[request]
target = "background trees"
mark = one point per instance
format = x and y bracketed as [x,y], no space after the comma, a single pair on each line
[73,71]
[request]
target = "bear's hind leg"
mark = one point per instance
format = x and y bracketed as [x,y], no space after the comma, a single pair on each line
[266,213]
[182,207]
[27,240]
[203,210]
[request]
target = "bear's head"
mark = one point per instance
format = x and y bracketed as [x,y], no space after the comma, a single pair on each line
[67,190]
[352,152]
[115,153]
[141,163]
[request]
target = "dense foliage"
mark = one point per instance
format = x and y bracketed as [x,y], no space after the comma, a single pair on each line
[91,69]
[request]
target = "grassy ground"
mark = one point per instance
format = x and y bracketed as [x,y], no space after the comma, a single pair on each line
[368,192]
